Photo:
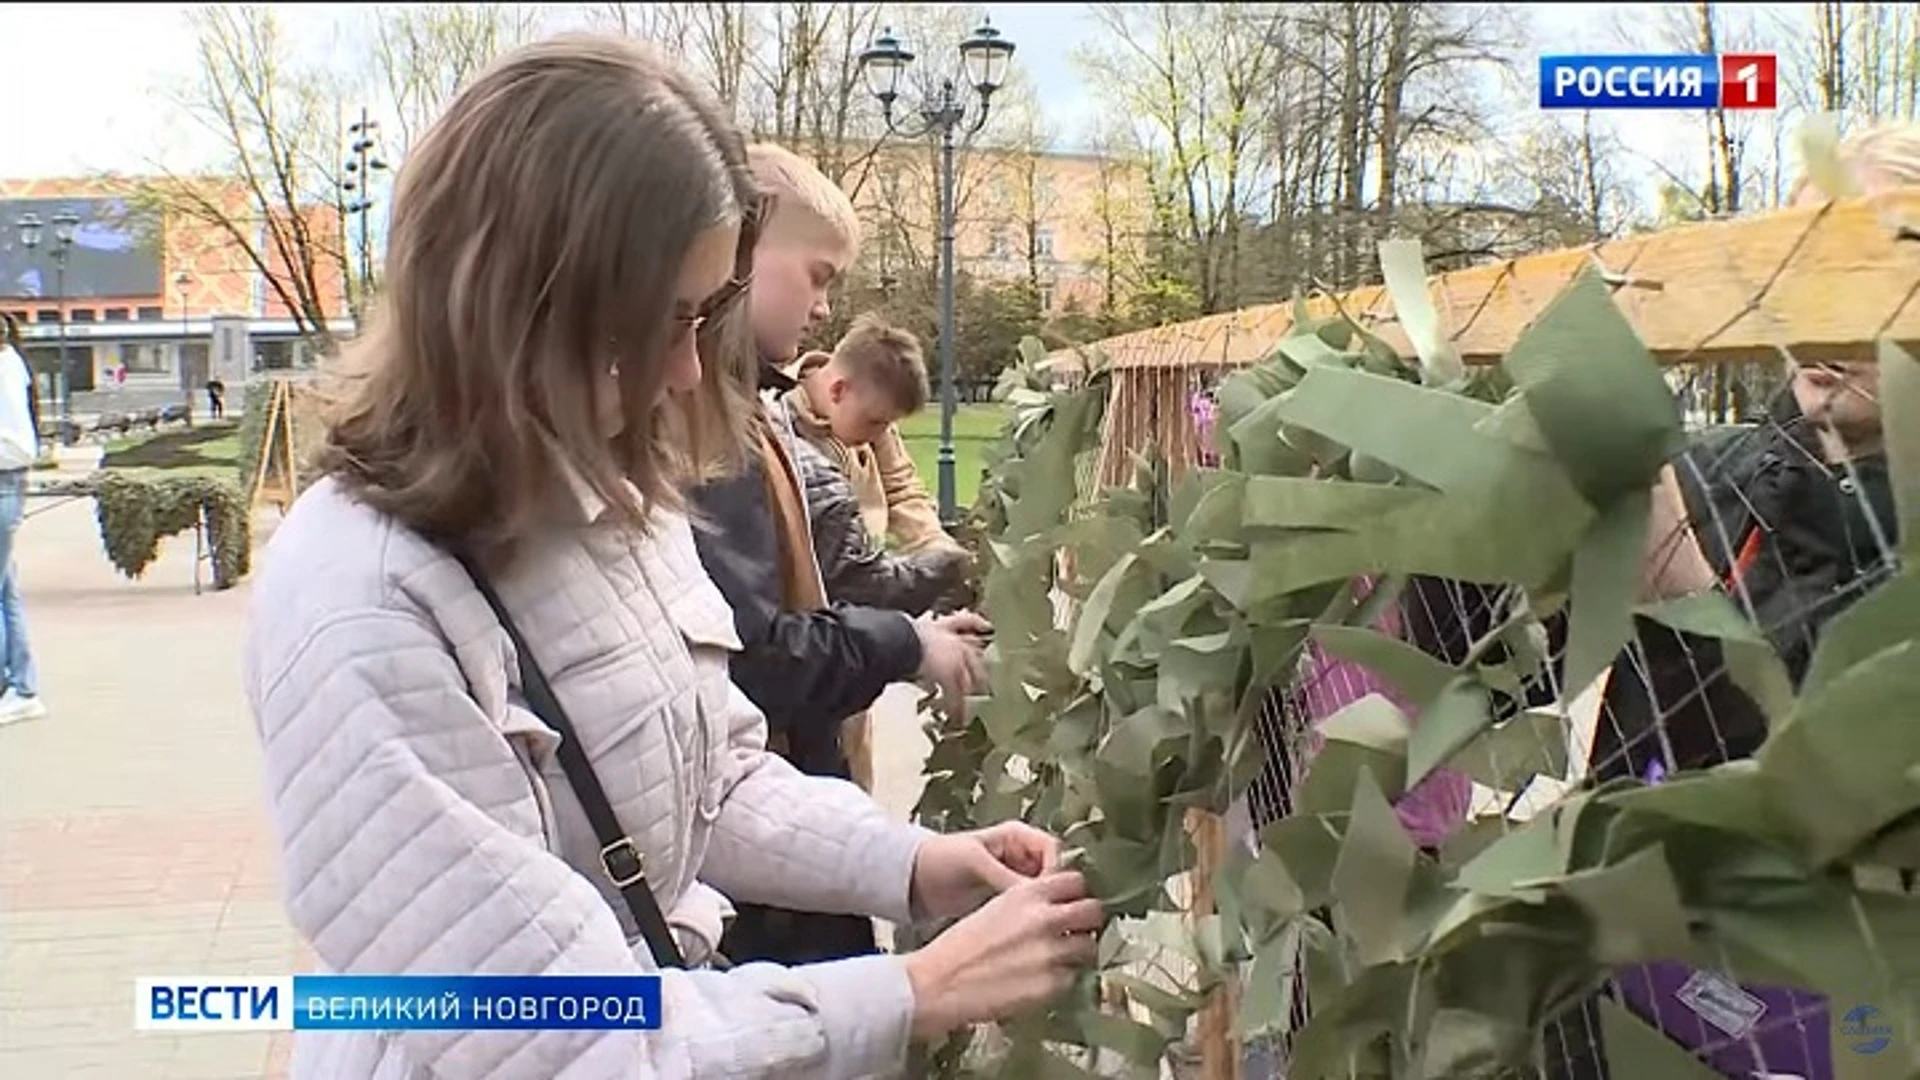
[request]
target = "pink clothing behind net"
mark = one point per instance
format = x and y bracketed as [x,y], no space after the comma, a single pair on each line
[1438,804]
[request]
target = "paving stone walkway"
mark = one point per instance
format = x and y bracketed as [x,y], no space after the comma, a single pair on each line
[133,837]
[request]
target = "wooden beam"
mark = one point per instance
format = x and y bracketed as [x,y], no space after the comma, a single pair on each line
[1214,1035]
[1820,281]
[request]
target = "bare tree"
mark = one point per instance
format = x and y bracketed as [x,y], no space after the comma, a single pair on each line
[715,39]
[1859,60]
[1027,201]
[799,82]
[1563,186]
[1724,179]
[1284,139]
[657,23]
[272,200]
[424,53]
[1704,27]
[1888,49]
[1117,214]
[1830,41]
[1191,76]
[722,39]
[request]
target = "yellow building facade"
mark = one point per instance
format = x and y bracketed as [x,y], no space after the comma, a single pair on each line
[1067,222]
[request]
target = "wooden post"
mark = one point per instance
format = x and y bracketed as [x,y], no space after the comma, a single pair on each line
[290,463]
[1214,1037]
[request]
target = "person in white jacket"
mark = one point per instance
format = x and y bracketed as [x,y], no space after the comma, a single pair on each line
[19,449]
[562,241]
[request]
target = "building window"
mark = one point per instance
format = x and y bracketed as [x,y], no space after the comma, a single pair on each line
[20,317]
[46,316]
[1046,298]
[115,314]
[274,355]
[80,314]
[1043,241]
[146,359]
[150,314]
[195,360]
[998,246]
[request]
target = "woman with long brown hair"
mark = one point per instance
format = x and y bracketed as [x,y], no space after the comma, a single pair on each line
[490,675]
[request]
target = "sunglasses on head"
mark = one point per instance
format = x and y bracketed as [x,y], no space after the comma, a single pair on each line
[727,296]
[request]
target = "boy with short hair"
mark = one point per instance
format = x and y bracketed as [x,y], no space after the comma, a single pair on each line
[849,404]
[873,378]
[808,663]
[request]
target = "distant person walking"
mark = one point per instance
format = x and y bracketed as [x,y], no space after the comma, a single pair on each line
[216,397]
[19,449]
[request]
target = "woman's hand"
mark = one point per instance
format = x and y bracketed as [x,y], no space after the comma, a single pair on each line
[1022,949]
[1672,565]
[956,873]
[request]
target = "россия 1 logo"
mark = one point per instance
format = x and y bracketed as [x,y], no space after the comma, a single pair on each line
[1745,81]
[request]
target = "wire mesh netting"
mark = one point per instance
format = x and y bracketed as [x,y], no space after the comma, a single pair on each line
[1765,504]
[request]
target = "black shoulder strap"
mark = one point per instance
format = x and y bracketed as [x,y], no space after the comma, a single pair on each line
[618,856]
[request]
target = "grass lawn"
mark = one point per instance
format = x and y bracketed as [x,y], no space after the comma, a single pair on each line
[215,447]
[975,427]
[208,447]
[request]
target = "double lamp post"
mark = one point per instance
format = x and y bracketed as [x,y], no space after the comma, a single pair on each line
[64,223]
[944,112]
[362,164]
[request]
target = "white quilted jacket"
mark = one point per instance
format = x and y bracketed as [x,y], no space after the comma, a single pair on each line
[425,825]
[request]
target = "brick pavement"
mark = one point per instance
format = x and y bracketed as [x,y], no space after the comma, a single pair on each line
[133,839]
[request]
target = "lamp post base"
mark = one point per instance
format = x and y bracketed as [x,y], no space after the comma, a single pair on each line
[949,491]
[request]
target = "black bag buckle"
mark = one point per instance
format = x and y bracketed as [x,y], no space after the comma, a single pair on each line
[623,863]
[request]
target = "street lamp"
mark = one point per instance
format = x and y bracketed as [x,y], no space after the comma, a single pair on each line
[64,223]
[182,279]
[29,226]
[984,57]
[361,165]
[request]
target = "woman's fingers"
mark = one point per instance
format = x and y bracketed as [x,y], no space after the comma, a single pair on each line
[1028,850]
[1078,917]
[1078,950]
[1062,887]
[996,875]
[1023,949]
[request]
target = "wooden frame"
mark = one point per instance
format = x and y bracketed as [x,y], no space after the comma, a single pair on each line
[1818,281]
[276,478]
